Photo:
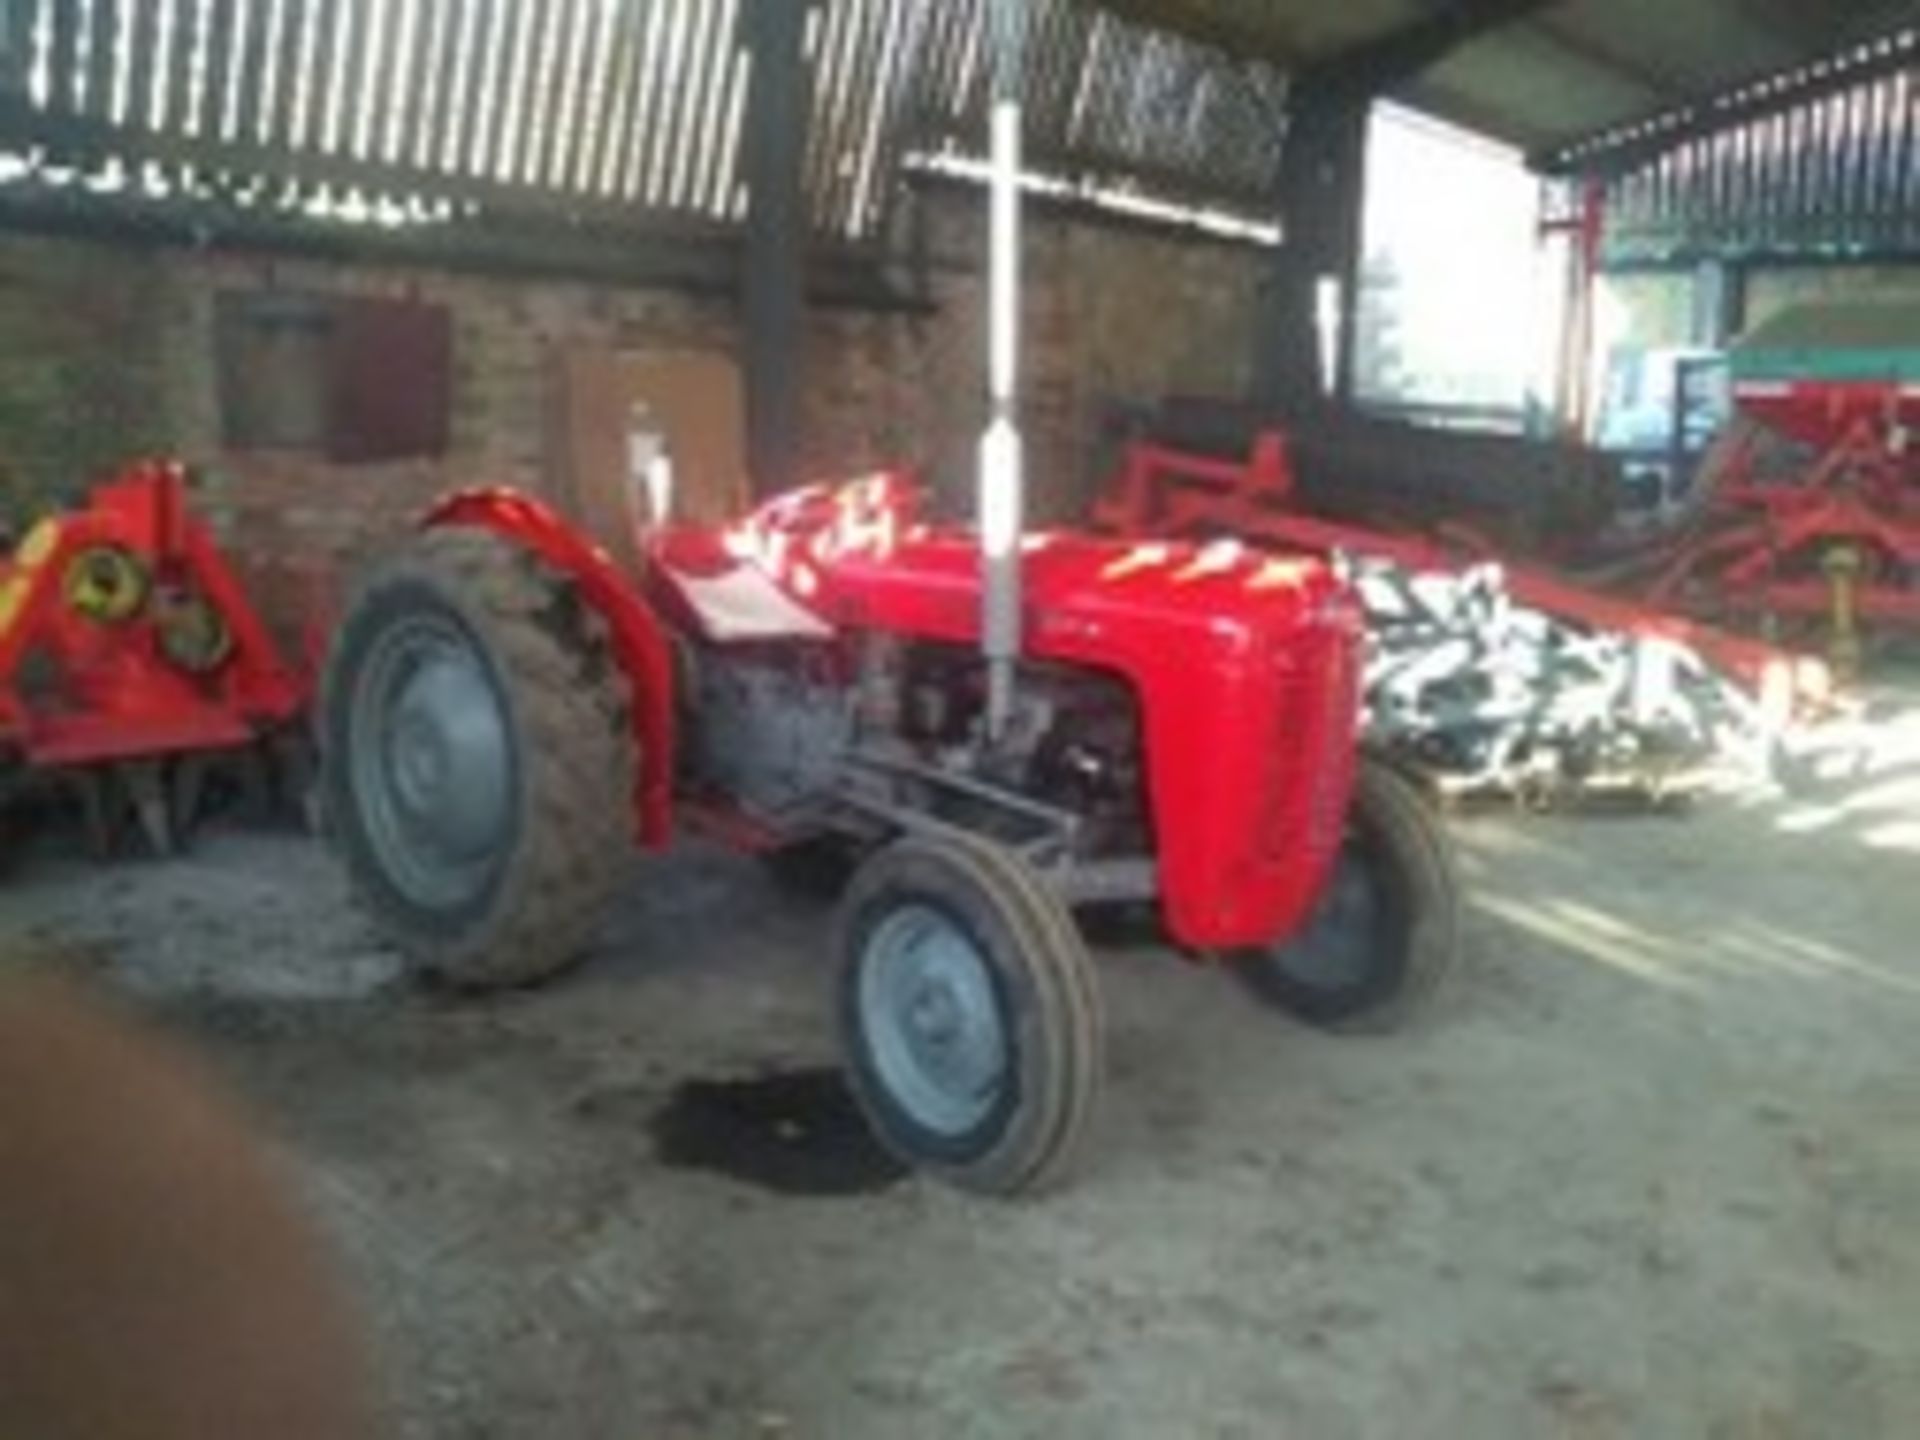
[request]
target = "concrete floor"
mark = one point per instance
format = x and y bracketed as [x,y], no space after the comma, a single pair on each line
[1651,1168]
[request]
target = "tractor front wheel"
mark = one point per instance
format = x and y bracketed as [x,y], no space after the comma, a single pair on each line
[1387,927]
[476,759]
[969,1014]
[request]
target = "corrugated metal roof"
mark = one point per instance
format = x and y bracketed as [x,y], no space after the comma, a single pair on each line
[596,111]
[1822,163]
[1585,67]
[615,115]
[1574,69]
[1114,103]
[594,107]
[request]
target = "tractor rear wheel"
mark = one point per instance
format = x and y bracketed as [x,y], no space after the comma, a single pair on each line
[1387,927]
[477,760]
[970,1018]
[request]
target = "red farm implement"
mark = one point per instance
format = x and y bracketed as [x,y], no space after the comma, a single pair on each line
[130,657]
[1488,676]
[1807,517]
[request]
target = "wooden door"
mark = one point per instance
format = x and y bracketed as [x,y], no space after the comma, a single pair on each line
[691,398]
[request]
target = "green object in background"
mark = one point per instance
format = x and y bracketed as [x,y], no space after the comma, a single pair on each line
[1839,341]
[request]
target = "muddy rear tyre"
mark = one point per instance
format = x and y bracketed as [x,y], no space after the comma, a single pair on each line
[970,1019]
[1387,928]
[477,762]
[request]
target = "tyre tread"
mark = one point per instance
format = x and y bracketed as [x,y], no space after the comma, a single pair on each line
[1416,838]
[570,702]
[1066,1005]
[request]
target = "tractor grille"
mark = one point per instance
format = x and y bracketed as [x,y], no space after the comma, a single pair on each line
[1313,750]
[1334,743]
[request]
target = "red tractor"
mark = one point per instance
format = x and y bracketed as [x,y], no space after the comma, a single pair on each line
[1002,730]
[505,710]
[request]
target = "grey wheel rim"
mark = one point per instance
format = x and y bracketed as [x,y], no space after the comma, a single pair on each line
[932,1020]
[432,762]
[1338,949]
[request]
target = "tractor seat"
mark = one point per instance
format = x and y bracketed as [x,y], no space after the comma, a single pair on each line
[752,580]
[743,604]
[729,598]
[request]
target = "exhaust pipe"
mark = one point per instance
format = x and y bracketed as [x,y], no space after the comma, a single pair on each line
[1002,478]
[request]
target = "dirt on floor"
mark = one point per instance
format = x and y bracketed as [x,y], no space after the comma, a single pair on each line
[1650,1168]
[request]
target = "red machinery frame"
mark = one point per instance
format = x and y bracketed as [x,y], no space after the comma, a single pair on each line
[109,691]
[1756,552]
[1167,492]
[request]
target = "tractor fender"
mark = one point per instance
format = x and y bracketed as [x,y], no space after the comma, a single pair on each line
[639,641]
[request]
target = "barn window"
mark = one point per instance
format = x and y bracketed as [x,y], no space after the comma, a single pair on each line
[352,380]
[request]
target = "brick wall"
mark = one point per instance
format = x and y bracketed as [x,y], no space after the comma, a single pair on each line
[1110,314]
[107,350]
[82,379]
[298,524]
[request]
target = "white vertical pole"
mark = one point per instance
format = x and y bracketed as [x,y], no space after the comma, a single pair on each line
[1002,480]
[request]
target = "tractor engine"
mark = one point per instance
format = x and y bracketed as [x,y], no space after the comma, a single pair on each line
[1072,740]
[769,727]
[775,726]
